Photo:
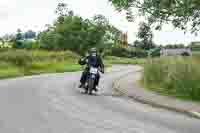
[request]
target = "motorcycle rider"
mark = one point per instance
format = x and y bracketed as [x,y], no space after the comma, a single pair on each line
[93,59]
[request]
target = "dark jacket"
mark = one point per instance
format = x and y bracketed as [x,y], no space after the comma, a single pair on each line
[94,61]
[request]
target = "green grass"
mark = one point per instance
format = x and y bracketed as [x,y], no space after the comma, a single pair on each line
[120,60]
[196,53]
[10,72]
[49,67]
[17,63]
[173,76]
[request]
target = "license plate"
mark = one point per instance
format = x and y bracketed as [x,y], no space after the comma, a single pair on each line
[93,70]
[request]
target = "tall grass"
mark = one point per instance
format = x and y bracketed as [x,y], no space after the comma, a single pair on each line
[24,57]
[14,63]
[176,76]
[122,60]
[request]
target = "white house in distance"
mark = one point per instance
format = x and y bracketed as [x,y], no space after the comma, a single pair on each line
[175,51]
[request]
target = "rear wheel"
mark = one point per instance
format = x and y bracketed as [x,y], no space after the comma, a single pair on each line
[90,85]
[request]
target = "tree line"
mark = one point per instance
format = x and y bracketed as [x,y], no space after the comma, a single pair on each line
[72,32]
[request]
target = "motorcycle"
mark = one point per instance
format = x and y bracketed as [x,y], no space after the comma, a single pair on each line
[91,78]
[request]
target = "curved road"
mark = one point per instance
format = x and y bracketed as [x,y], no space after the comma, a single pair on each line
[52,103]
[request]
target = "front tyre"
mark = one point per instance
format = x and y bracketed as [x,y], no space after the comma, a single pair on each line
[90,85]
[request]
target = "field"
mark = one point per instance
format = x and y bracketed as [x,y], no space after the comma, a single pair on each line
[15,63]
[122,60]
[174,76]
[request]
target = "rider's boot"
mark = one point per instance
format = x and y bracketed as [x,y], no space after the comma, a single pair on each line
[96,89]
[81,85]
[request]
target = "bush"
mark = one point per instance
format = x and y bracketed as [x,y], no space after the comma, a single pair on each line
[18,45]
[155,52]
[185,54]
[129,53]
[177,76]
[31,45]
[17,57]
[140,53]
[122,60]
[14,63]
[120,52]
[23,57]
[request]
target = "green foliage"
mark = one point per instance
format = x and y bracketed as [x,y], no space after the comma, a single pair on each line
[122,60]
[129,53]
[195,46]
[154,52]
[174,46]
[23,58]
[176,76]
[183,14]
[31,45]
[14,63]
[5,45]
[51,67]
[19,35]
[146,36]
[8,70]
[18,44]
[19,58]
[71,32]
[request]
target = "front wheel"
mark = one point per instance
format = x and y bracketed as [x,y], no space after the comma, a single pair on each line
[90,85]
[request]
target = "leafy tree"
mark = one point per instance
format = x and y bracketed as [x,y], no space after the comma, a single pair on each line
[8,37]
[2,41]
[62,10]
[137,44]
[19,35]
[18,40]
[183,14]
[74,33]
[146,36]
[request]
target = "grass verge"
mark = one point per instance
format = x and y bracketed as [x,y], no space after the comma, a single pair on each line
[17,63]
[121,60]
[173,76]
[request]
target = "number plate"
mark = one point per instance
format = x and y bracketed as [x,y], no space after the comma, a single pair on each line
[93,70]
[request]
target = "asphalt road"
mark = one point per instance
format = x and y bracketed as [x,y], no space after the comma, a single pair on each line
[52,103]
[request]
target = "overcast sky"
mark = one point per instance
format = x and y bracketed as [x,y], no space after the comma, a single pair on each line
[34,14]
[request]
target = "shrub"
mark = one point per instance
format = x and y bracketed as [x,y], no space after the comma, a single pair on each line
[31,45]
[155,52]
[17,57]
[23,57]
[178,76]
[123,52]
[185,54]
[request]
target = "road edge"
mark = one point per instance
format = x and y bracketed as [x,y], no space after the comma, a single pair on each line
[120,90]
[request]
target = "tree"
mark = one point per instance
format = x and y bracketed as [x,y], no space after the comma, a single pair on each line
[146,36]
[183,14]
[72,32]
[19,35]
[1,41]
[18,40]
[101,20]
[137,44]
[62,10]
